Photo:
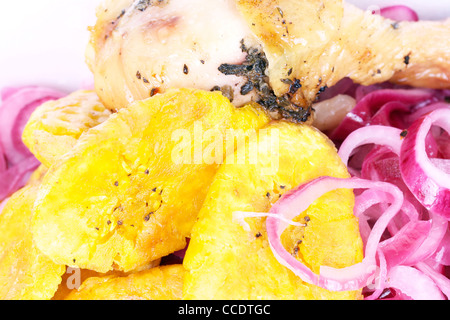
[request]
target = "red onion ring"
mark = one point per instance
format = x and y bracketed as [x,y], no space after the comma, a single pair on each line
[414,283]
[442,253]
[16,161]
[377,134]
[405,242]
[429,184]
[432,241]
[298,200]
[439,279]
[379,279]
[16,176]
[17,106]
[379,104]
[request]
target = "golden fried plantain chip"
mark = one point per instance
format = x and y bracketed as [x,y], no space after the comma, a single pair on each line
[224,261]
[55,126]
[159,283]
[74,277]
[25,273]
[130,190]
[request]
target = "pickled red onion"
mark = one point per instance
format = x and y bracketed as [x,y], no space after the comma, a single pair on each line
[16,161]
[399,13]
[17,106]
[388,107]
[16,176]
[414,283]
[440,280]
[442,253]
[377,134]
[350,278]
[429,184]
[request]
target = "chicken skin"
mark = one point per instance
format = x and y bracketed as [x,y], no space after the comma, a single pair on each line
[142,48]
[281,53]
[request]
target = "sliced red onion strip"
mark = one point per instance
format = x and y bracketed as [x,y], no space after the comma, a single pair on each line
[369,105]
[3,164]
[439,279]
[442,253]
[15,110]
[377,134]
[431,243]
[429,184]
[399,13]
[363,202]
[414,283]
[298,200]
[239,217]
[441,164]
[379,279]
[405,242]
[417,113]
[16,176]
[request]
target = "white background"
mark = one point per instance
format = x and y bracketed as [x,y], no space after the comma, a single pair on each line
[42,42]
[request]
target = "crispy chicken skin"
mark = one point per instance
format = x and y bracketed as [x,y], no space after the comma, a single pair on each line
[142,48]
[281,53]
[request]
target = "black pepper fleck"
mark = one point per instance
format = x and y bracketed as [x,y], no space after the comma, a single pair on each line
[147,217]
[322,89]
[404,133]
[185,69]
[406,59]
[154,91]
[295,86]
[287,81]
[122,13]
[116,183]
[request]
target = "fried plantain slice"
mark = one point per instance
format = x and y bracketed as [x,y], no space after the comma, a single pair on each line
[37,175]
[25,272]
[130,190]
[159,283]
[225,261]
[55,126]
[74,277]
